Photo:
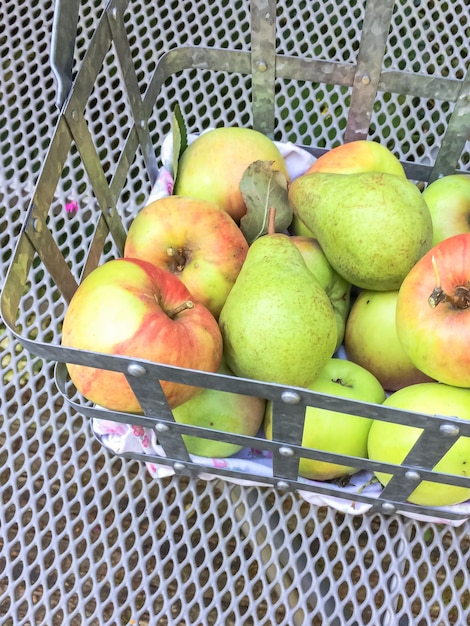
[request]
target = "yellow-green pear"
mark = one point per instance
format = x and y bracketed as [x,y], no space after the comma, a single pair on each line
[372,226]
[337,288]
[277,323]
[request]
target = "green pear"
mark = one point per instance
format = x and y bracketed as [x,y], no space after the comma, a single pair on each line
[337,288]
[372,226]
[277,323]
[220,410]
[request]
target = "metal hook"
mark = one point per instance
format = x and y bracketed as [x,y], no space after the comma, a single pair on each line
[64,33]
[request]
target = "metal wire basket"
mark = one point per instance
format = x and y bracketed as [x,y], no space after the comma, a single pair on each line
[109,191]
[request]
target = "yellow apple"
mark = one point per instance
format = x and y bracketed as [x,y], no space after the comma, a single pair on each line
[353,157]
[212,166]
[371,340]
[448,200]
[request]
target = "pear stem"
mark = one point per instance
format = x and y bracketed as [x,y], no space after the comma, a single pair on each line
[180,308]
[272,220]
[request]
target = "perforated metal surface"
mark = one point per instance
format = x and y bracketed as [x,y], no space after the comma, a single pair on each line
[87,538]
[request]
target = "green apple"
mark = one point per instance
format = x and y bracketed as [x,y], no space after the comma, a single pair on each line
[371,340]
[337,288]
[390,442]
[332,431]
[448,200]
[220,410]
[212,166]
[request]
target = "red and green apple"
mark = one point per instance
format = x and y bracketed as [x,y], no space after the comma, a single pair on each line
[433,312]
[363,155]
[132,308]
[194,240]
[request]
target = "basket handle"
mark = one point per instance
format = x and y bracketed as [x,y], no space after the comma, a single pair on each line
[64,33]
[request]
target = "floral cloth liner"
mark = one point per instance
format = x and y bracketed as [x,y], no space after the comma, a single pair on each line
[120,438]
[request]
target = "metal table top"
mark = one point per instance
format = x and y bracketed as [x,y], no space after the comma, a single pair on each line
[87,538]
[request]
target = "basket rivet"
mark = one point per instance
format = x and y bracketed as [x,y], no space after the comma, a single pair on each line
[74,115]
[286,451]
[388,507]
[162,428]
[282,484]
[262,66]
[412,475]
[114,13]
[179,467]
[142,124]
[37,225]
[449,430]
[365,80]
[134,369]
[290,397]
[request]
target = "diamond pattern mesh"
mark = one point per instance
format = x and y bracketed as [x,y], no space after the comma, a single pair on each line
[87,538]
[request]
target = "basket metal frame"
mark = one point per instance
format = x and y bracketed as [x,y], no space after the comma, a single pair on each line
[365,78]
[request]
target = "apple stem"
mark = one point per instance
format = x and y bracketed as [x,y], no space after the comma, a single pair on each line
[460,299]
[178,256]
[272,220]
[180,308]
[438,295]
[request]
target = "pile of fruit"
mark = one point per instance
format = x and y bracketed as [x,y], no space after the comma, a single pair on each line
[248,271]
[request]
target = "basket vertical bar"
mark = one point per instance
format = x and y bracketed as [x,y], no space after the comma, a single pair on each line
[369,65]
[456,135]
[263,64]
